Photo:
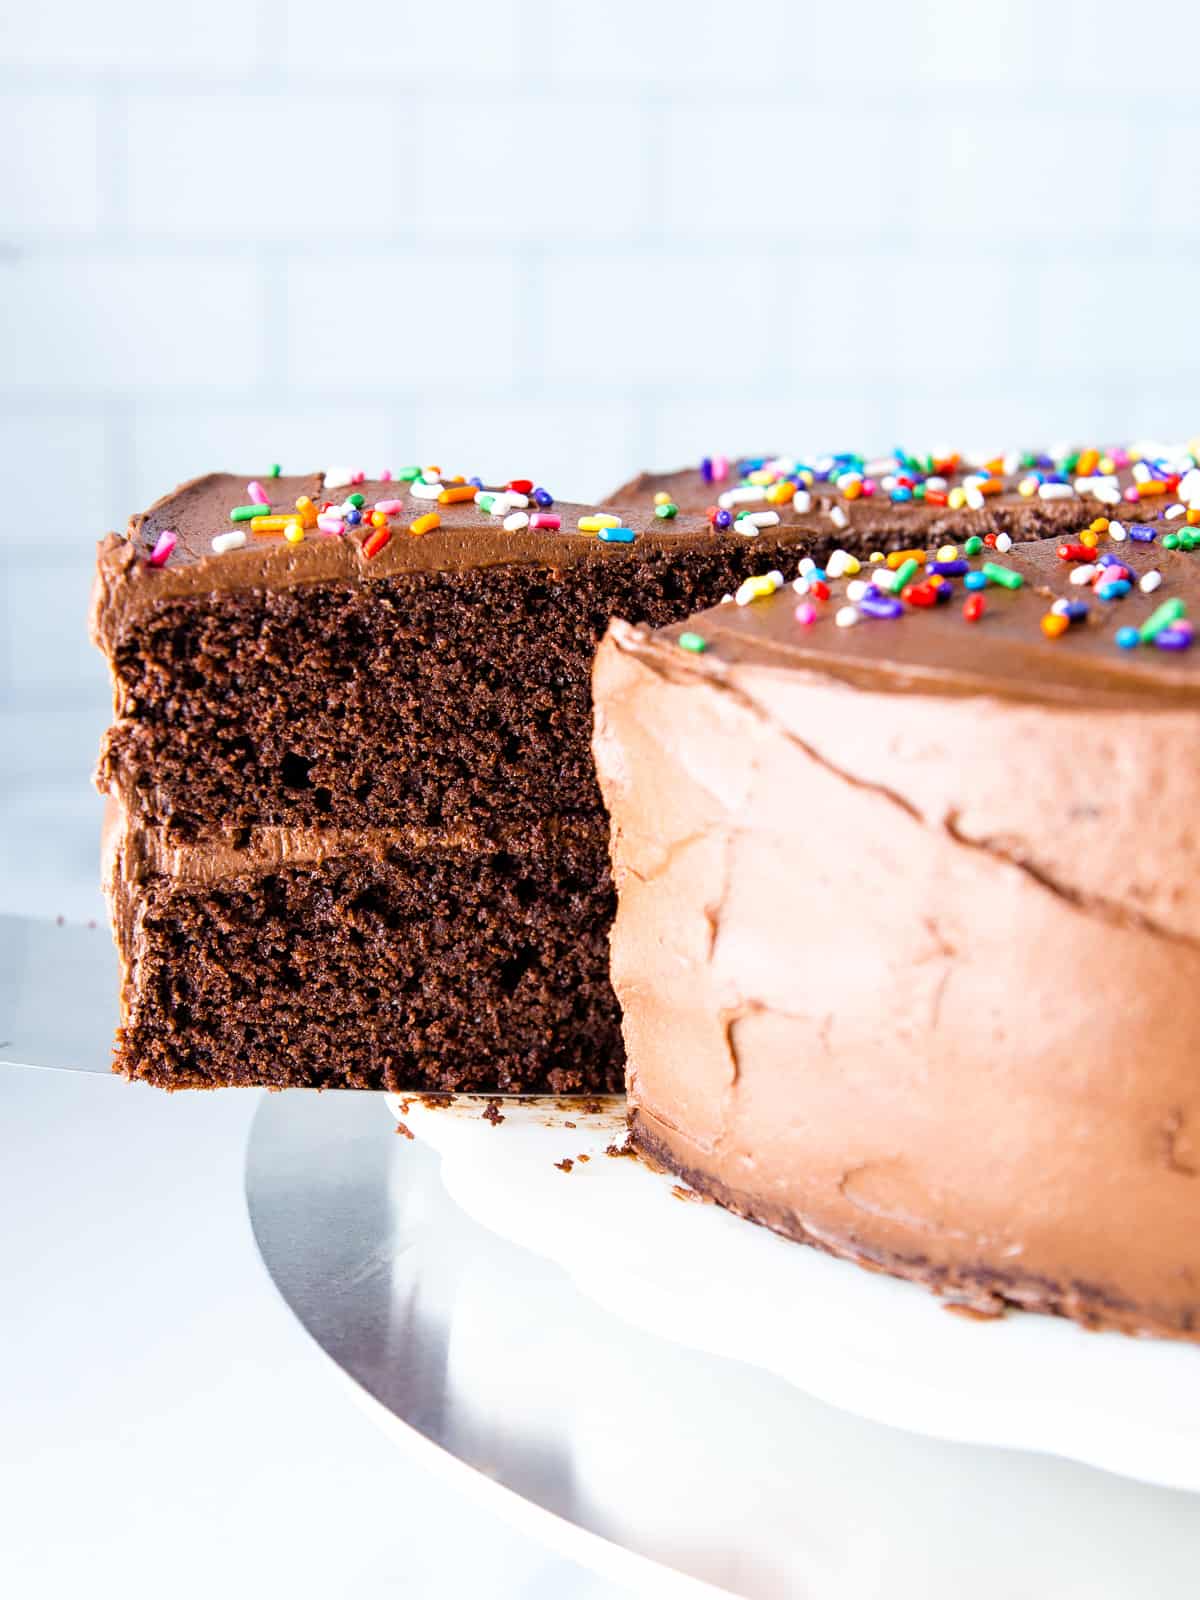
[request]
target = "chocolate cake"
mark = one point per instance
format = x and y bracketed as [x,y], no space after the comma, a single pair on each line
[356,836]
[908,929]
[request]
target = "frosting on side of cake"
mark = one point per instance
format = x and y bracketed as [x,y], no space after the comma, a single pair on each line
[908,934]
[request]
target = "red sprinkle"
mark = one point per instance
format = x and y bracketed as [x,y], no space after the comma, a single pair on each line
[973,607]
[372,546]
[989,539]
[818,590]
[521,485]
[919,594]
[936,497]
[1076,552]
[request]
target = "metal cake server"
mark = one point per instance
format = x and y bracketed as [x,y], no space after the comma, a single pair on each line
[58,994]
[58,1000]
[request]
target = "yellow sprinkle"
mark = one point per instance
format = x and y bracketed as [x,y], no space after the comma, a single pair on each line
[1027,487]
[761,477]
[936,581]
[957,499]
[948,552]
[294,532]
[899,557]
[599,520]
[378,519]
[850,566]
[875,557]
[1107,466]
[662,498]
[1089,538]
[269,524]
[425,524]
[780,493]
[754,589]
[1100,525]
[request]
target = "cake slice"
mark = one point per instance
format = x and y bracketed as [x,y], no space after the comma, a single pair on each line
[356,836]
[908,929]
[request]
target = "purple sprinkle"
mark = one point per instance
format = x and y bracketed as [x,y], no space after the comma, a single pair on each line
[706,471]
[948,569]
[1143,535]
[723,519]
[1176,637]
[882,606]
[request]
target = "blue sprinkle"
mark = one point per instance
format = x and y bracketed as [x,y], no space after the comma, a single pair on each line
[617,535]
[354,517]
[1115,589]
[476,483]
[975,580]
[902,494]
[723,519]
[1141,534]
[947,569]
[1075,610]
[543,498]
[945,591]
[706,469]
[1128,638]
[1174,638]
[819,574]
[1109,560]
[880,605]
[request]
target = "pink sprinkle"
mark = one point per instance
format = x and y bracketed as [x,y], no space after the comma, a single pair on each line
[386,475]
[1132,492]
[257,494]
[868,487]
[720,468]
[547,520]
[1120,458]
[390,508]
[167,541]
[806,613]
[330,524]
[358,477]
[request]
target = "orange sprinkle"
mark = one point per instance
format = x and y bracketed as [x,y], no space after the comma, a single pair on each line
[1152,486]
[852,491]
[427,523]
[308,511]
[990,486]
[780,493]
[376,542]
[1054,624]
[1193,517]
[451,497]
[899,557]
[1087,463]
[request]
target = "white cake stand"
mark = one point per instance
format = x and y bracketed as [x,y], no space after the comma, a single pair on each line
[663,1466]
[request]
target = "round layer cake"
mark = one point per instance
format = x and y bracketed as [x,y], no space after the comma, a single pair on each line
[908,938]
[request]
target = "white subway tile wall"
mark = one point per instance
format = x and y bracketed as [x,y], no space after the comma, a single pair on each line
[520,235]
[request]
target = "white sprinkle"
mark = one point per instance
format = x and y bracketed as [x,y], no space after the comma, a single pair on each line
[747,529]
[518,501]
[1141,472]
[856,588]
[1055,491]
[1082,575]
[800,585]
[1149,581]
[839,518]
[846,617]
[936,483]
[1116,530]
[884,578]
[420,490]
[760,519]
[516,522]
[836,566]
[802,502]
[1097,482]
[1003,543]
[975,499]
[726,599]
[776,578]
[748,495]
[1189,487]
[1170,514]
[807,566]
[1107,496]
[229,541]
[339,477]
[1060,606]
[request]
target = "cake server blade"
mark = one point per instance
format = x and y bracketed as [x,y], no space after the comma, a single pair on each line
[58,1000]
[58,994]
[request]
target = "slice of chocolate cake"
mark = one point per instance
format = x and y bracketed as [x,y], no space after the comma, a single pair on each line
[908,930]
[358,839]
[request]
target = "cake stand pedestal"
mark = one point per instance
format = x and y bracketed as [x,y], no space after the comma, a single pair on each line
[665,1468]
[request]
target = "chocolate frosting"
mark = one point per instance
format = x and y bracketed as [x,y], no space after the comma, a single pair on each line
[908,934]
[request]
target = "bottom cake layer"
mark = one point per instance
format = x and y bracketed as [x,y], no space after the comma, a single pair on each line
[399,960]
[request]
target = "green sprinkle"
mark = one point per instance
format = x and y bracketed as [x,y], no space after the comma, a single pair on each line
[408,474]
[244,513]
[973,545]
[905,573]
[693,641]
[1171,542]
[666,511]
[276,470]
[1162,617]
[1004,576]
[1188,541]
[918,491]
[358,500]
[486,502]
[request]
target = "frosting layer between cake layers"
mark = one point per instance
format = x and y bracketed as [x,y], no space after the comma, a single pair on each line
[908,937]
